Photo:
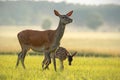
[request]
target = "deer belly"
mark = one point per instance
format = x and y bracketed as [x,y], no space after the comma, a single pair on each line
[39,49]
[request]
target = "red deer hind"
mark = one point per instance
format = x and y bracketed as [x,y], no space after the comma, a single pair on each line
[47,41]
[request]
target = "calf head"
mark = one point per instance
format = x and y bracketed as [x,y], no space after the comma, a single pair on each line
[70,58]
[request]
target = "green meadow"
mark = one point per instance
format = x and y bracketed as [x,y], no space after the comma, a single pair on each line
[83,68]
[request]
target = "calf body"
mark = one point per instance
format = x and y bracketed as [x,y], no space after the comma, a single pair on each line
[61,53]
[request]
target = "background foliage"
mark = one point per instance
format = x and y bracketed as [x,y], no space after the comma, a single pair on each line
[34,13]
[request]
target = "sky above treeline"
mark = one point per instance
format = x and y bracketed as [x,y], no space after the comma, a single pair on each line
[83,2]
[86,2]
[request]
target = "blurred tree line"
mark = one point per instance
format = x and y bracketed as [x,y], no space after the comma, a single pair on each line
[41,12]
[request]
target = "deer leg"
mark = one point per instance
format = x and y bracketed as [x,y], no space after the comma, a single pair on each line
[54,61]
[19,57]
[61,65]
[47,65]
[47,59]
[23,58]
[45,62]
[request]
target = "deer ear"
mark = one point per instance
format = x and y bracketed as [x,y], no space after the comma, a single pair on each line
[56,13]
[70,13]
[74,54]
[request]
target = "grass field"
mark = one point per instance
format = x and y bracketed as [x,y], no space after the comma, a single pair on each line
[82,68]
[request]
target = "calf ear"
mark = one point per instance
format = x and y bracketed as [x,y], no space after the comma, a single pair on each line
[56,13]
[74,54]
[70,13]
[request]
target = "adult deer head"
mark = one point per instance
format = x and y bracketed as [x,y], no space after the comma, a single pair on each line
[64,18]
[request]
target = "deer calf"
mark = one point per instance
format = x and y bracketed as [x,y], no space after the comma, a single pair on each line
[61,54]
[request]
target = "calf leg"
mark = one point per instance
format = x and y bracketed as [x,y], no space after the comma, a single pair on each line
[61,65]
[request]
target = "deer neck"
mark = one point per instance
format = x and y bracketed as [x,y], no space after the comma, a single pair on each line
[59,33]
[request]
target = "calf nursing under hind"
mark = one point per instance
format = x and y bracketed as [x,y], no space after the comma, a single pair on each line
[61,54]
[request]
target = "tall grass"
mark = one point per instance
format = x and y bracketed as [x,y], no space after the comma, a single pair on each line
[82,69]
